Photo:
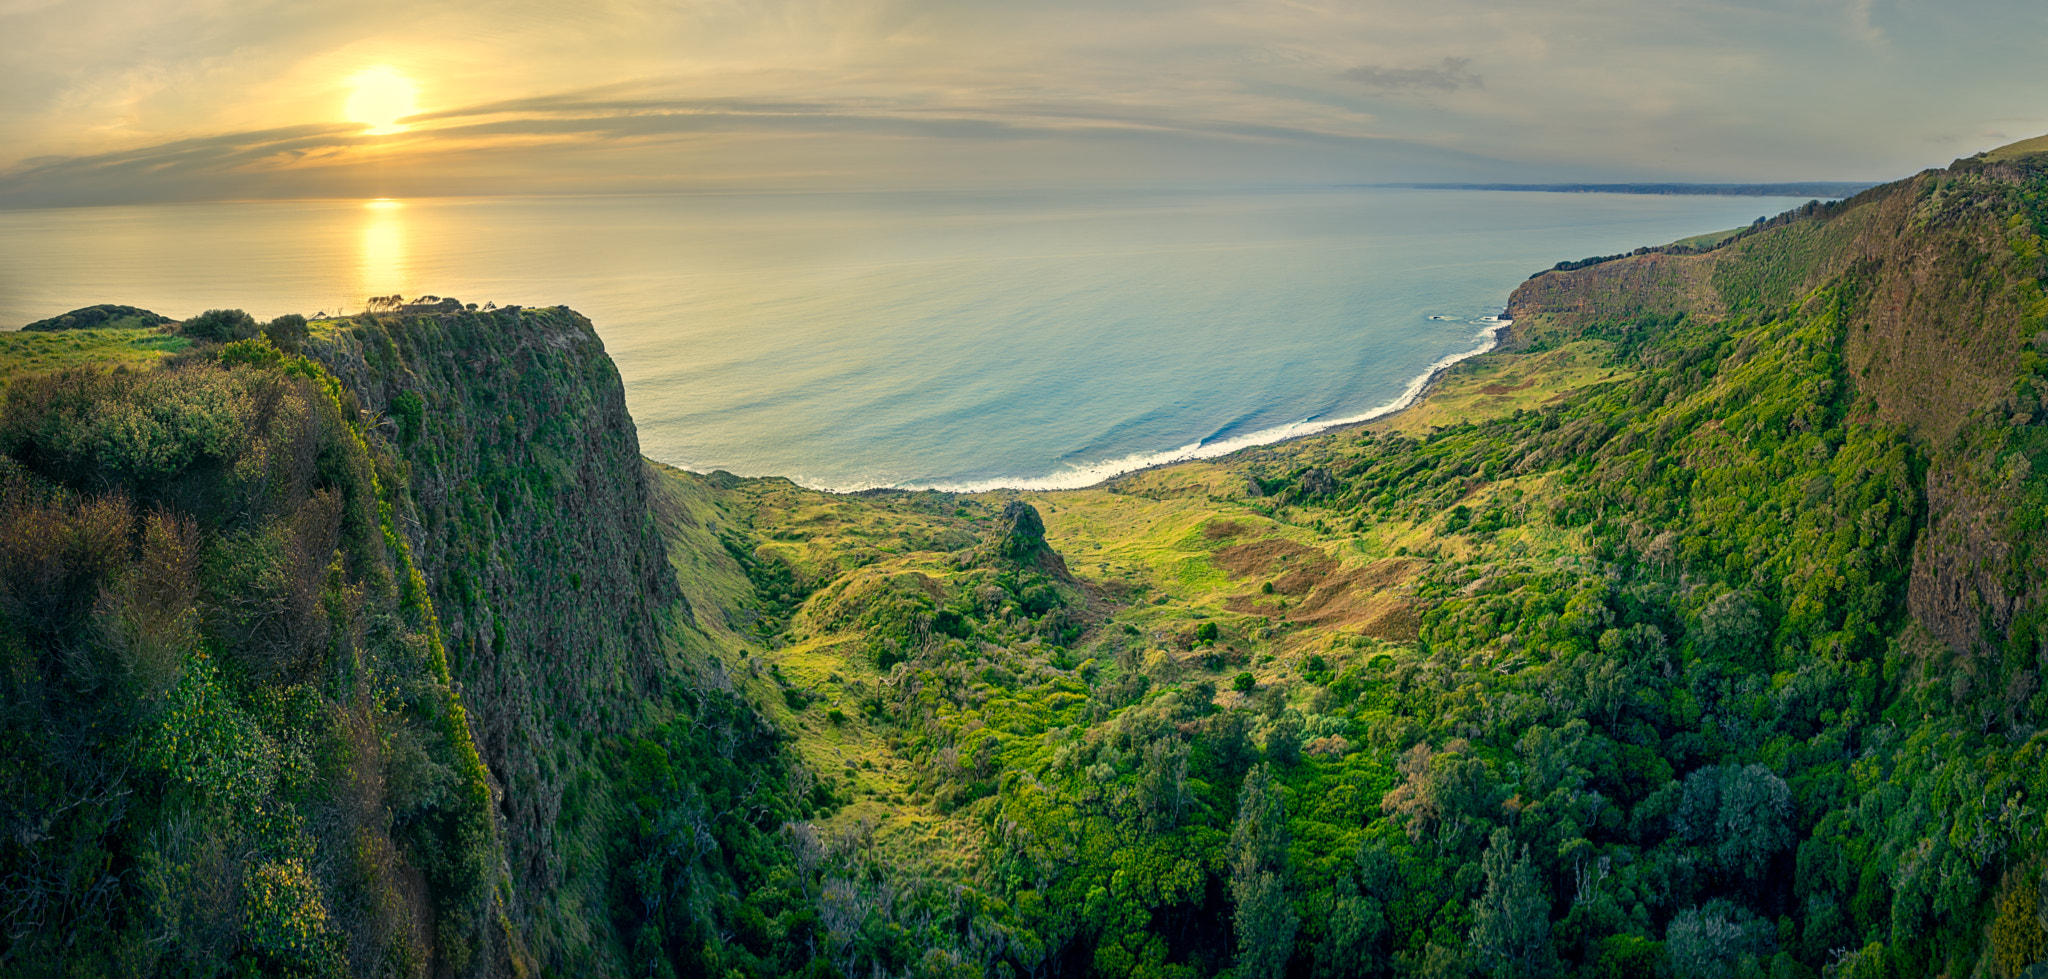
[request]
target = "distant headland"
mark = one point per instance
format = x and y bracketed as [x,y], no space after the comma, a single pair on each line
[1816,188]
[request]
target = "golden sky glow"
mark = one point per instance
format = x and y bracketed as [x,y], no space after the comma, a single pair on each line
[137,100]
[382,96]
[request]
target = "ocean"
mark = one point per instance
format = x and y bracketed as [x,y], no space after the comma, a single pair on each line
[1033,339]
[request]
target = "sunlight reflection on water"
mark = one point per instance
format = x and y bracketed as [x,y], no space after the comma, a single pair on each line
[382,268]
[849,340]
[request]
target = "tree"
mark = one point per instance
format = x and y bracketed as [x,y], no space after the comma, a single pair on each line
[1715,940]
[1511,919]
[1730,628]
[1351,938]
[1283,739]
[1163,783]
[1742,815]
[1266,921]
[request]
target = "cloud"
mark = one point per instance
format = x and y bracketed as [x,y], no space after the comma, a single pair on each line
[176,99]
[1860,25]
[1450,76]
[595,141]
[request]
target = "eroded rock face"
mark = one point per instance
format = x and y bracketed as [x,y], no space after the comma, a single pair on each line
[1965,587]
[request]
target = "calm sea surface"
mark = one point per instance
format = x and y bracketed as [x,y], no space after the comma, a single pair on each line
[1041,339]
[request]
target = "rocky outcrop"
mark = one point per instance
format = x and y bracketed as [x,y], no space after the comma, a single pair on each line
[1018,539]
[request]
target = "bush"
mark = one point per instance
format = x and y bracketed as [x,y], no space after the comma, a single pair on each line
[2017,937]
[408,409]
[81,427]
[220,326]
[250,353]
[286,332]
[56,556]
[1244,682]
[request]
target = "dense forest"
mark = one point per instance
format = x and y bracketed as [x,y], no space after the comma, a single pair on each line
[1698,631]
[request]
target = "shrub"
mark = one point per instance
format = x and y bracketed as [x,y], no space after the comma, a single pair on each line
[220,326]
[1244,682]
[255,352]
[2017,937]
[56,555]
[287,918]
[84,426]
[266,587]
[202,740]
[408,409]
[286,332]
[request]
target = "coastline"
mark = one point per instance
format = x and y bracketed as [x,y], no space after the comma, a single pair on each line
[1417,393]
[1495,335]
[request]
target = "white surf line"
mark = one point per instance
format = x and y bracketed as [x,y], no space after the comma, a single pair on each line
[1079,477]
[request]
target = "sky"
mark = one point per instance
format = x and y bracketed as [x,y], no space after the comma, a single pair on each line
[127,101]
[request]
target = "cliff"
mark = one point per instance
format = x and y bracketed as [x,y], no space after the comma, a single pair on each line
[1698,631]
[522,493]
[328,659]
[1936,283]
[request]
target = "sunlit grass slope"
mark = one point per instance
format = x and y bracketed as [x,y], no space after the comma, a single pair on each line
[27,353]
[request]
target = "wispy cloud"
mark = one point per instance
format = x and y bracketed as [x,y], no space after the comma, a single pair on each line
[583,133]
[1451,75]
[141,100]
[1861,26]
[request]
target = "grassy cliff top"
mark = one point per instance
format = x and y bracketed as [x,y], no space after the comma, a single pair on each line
[2020,150]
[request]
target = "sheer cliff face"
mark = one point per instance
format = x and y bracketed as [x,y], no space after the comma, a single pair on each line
[1937,281]
[526,503]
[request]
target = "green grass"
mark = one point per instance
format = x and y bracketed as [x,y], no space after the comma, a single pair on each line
[2014,151]
[1708,240]
[36,353]
[1498,384]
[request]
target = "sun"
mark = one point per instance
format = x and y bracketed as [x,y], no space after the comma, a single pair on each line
[382,97]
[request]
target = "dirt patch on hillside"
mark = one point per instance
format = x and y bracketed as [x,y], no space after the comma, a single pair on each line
[1369,600]
[1499,388]
[1270,556]
[1219,529]
[1347,596]
[1398,623]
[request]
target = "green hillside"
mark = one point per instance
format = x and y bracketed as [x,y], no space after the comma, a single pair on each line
[1697,631]
[2018,151]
